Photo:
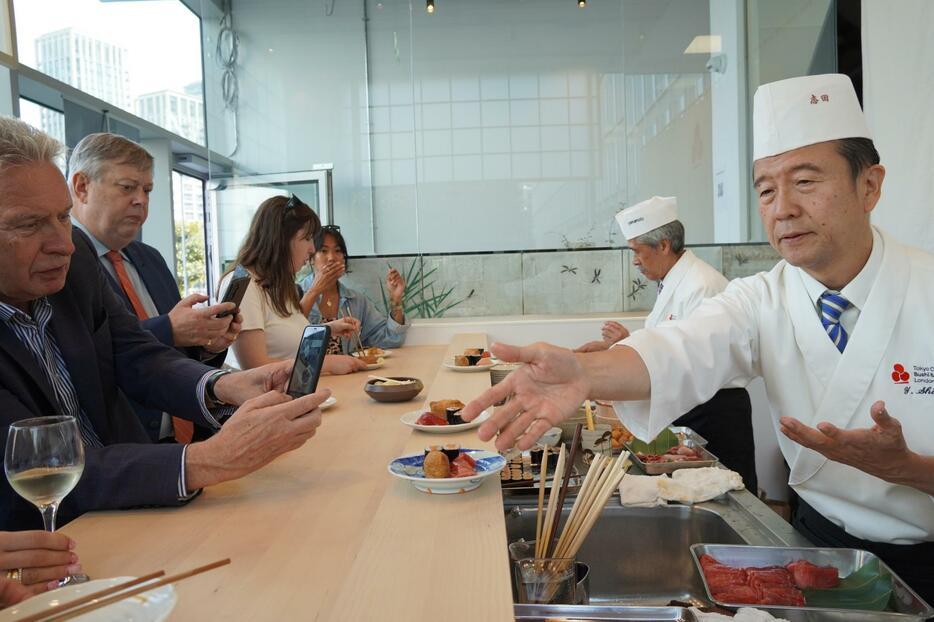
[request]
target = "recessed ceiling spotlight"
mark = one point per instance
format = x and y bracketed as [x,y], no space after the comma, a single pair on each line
[430,6]
[582,4]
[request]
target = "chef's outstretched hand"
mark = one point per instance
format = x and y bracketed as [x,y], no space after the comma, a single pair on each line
[545,391]
[880,450]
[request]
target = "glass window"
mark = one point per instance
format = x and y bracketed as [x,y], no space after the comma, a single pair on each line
[117,51]
[191,272]
[50,121]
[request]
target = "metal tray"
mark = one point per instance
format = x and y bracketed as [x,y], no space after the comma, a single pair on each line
[687,434]
[575,613]
[908,605]
[657,468]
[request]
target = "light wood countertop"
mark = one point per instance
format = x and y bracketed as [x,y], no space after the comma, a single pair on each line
[325,532]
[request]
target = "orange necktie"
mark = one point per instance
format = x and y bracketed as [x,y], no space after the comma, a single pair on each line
[184,429]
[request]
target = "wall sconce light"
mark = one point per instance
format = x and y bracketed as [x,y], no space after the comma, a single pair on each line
[430,6]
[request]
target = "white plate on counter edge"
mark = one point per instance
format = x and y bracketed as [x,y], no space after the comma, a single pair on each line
[409,468]
[471,368]
[372,366]
[410,418]
[385,355]
[328,403]
[152,606]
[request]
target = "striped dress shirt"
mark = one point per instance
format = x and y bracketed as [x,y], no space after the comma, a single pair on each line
[33,332]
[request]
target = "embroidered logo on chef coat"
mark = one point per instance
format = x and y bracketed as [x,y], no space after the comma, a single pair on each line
[919,381]
[899,375]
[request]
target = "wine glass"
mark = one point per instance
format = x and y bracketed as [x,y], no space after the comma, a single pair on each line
[44,460]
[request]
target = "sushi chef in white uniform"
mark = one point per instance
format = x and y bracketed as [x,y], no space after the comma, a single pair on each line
[840,330]
[656,237]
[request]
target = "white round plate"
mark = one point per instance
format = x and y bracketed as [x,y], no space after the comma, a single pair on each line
[152,606]
[373,366]
[410,418]
[328,403]
[386,354]
[470,368]
[410,468]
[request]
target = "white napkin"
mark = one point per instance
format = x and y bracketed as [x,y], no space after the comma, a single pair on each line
[640,491]
[746,614]
[698,485]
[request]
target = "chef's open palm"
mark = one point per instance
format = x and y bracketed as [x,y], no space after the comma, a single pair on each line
[544,392]
[874,450]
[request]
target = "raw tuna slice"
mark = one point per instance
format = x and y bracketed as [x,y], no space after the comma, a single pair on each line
[807,575]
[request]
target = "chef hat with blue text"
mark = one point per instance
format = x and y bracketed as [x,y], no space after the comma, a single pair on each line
[647,216]
[798,112]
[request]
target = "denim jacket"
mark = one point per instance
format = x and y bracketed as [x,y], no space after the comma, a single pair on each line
[376,329]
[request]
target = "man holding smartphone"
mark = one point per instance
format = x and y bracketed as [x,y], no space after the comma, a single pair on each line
[110,178]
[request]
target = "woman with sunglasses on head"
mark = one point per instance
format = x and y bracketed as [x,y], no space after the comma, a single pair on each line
[326,298]
[278,244]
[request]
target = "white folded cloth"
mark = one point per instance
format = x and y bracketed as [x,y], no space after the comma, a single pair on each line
[640,491]
[698,485]
[684,486]
[745,614]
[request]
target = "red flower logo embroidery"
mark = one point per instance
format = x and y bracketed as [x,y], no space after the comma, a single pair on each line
[899,375]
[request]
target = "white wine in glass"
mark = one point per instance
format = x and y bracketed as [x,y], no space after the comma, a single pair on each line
[44,460]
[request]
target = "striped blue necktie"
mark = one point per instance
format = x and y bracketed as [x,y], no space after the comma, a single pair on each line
[832,305]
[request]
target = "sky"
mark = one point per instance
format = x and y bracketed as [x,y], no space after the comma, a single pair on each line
[162,36]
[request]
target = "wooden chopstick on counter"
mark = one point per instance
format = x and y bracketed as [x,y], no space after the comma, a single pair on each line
[92,596]
[58,614]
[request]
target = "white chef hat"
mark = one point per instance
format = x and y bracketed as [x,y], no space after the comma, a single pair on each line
[797,112]
[647,216]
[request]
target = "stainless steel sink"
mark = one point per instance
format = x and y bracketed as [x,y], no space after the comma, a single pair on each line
[640,556]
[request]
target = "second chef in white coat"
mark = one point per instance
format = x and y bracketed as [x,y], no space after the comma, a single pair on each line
[656,237]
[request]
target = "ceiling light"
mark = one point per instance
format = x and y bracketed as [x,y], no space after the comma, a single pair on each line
[582,4]
[430,6]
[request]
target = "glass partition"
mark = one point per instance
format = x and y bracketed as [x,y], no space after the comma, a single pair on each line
[484,149]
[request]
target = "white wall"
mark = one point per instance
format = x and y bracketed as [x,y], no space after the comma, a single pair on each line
[898,88]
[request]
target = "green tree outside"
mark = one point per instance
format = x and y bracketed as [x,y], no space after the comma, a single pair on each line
[190,269]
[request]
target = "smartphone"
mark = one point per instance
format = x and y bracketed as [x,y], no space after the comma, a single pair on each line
[234,293]
[308,360]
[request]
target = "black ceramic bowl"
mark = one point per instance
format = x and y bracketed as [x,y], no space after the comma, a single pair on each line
[393,392]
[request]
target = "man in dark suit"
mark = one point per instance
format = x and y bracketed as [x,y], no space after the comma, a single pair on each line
[110,178]
[68,346]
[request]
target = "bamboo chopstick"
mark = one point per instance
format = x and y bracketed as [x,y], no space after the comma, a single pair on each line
[355,333]
[543,475]
[92,596]
[563,491]
[552,499]
[74,612]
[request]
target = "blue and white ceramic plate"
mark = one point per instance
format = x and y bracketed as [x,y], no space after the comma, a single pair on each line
[410,468]
[152,606]
[410,419]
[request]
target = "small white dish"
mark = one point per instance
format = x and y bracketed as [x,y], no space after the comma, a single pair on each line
[470,368]
[376,365]
[410,418]
[328,403]
[409,468]
[152,606]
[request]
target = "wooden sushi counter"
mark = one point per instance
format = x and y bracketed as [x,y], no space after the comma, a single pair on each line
[326,533]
